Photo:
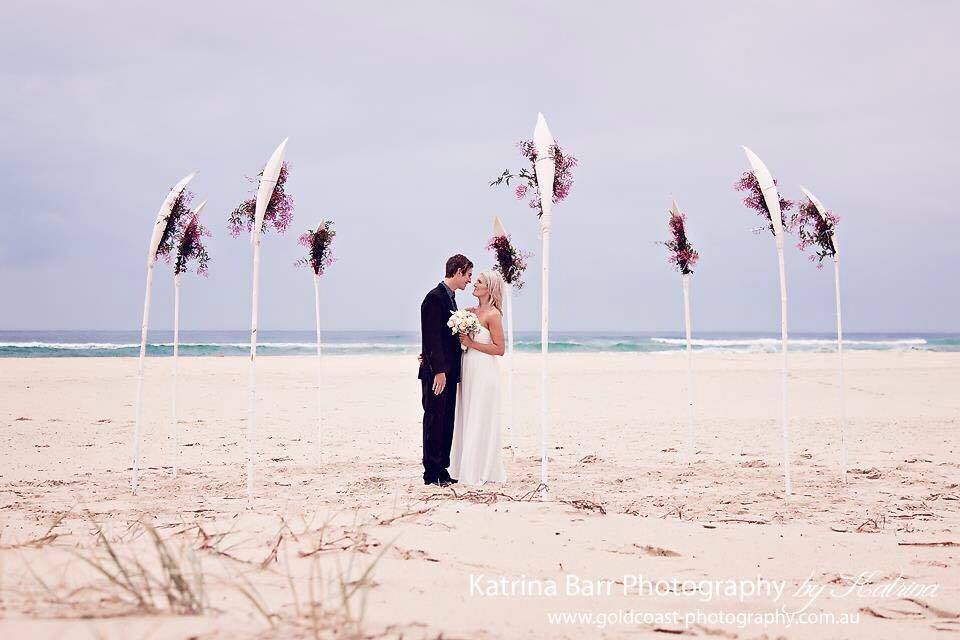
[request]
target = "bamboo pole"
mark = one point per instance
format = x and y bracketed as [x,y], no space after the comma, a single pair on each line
[134,482]
[691,435]
[544,349]
[513,431]
[784,416]
[177,438]
[176,371]
[836,290]
[545,170]
[158,227]
[316,310]
[772,199]
[268,182]
[843,387]
[252,378]
[500,231]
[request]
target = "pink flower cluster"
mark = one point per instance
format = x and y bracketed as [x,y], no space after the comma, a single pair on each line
[279,212]
[562,177]
[530,188]
[511,263]
[754,199]
[682,255]
[174,224]
[319,245]
[190,247]
[815,231]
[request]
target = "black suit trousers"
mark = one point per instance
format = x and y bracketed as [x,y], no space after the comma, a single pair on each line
[438,416]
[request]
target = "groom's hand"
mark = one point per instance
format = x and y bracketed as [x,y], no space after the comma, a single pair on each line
[439,382]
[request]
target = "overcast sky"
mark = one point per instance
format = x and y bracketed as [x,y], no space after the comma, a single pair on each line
[399,114]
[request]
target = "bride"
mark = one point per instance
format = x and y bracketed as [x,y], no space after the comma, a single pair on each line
[475,455]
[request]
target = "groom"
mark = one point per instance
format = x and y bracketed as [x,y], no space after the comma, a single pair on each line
[440,370]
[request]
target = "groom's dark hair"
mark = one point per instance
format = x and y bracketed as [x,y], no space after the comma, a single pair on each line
[459,263]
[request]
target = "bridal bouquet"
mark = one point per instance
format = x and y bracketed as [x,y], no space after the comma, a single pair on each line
[463,321]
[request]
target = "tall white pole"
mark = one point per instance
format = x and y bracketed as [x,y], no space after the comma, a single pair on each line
[134,482]
[176,370]
[316,310]
[252,407]
[686,322]
[544,348]
[513,433]
[158,228]
[784,417]
[836,288]
[772,200]
[545,171]
[177,437]
[843,403]
[510,410]
[268,182]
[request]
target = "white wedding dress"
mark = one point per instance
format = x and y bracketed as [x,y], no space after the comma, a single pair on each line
[475,454]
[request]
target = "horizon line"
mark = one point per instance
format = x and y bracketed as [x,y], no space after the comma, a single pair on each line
[536,330]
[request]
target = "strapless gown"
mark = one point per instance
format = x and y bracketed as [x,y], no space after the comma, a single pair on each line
[475,454]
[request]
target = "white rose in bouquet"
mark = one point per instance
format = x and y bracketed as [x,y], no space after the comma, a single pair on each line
[463,321]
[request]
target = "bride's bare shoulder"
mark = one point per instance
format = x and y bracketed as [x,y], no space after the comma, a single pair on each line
[492,315]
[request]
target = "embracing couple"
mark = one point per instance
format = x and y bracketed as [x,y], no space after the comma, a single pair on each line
[460,376]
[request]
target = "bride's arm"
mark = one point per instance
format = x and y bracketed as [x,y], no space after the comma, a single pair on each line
[495,348]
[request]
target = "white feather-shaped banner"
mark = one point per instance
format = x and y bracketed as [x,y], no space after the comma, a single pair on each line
[769,189]
[823,214]
[162,216]
[498,229]
[544,167]
[674,209]
[268,181]
[196,212]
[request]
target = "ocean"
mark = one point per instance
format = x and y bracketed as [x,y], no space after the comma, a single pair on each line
[52,344]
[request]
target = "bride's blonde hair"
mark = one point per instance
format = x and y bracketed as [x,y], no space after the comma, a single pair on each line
[494,288]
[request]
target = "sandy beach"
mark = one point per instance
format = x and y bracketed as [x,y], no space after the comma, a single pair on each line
[357,545]
[202,198]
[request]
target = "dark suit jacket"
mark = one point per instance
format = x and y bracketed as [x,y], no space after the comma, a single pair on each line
[441,348]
